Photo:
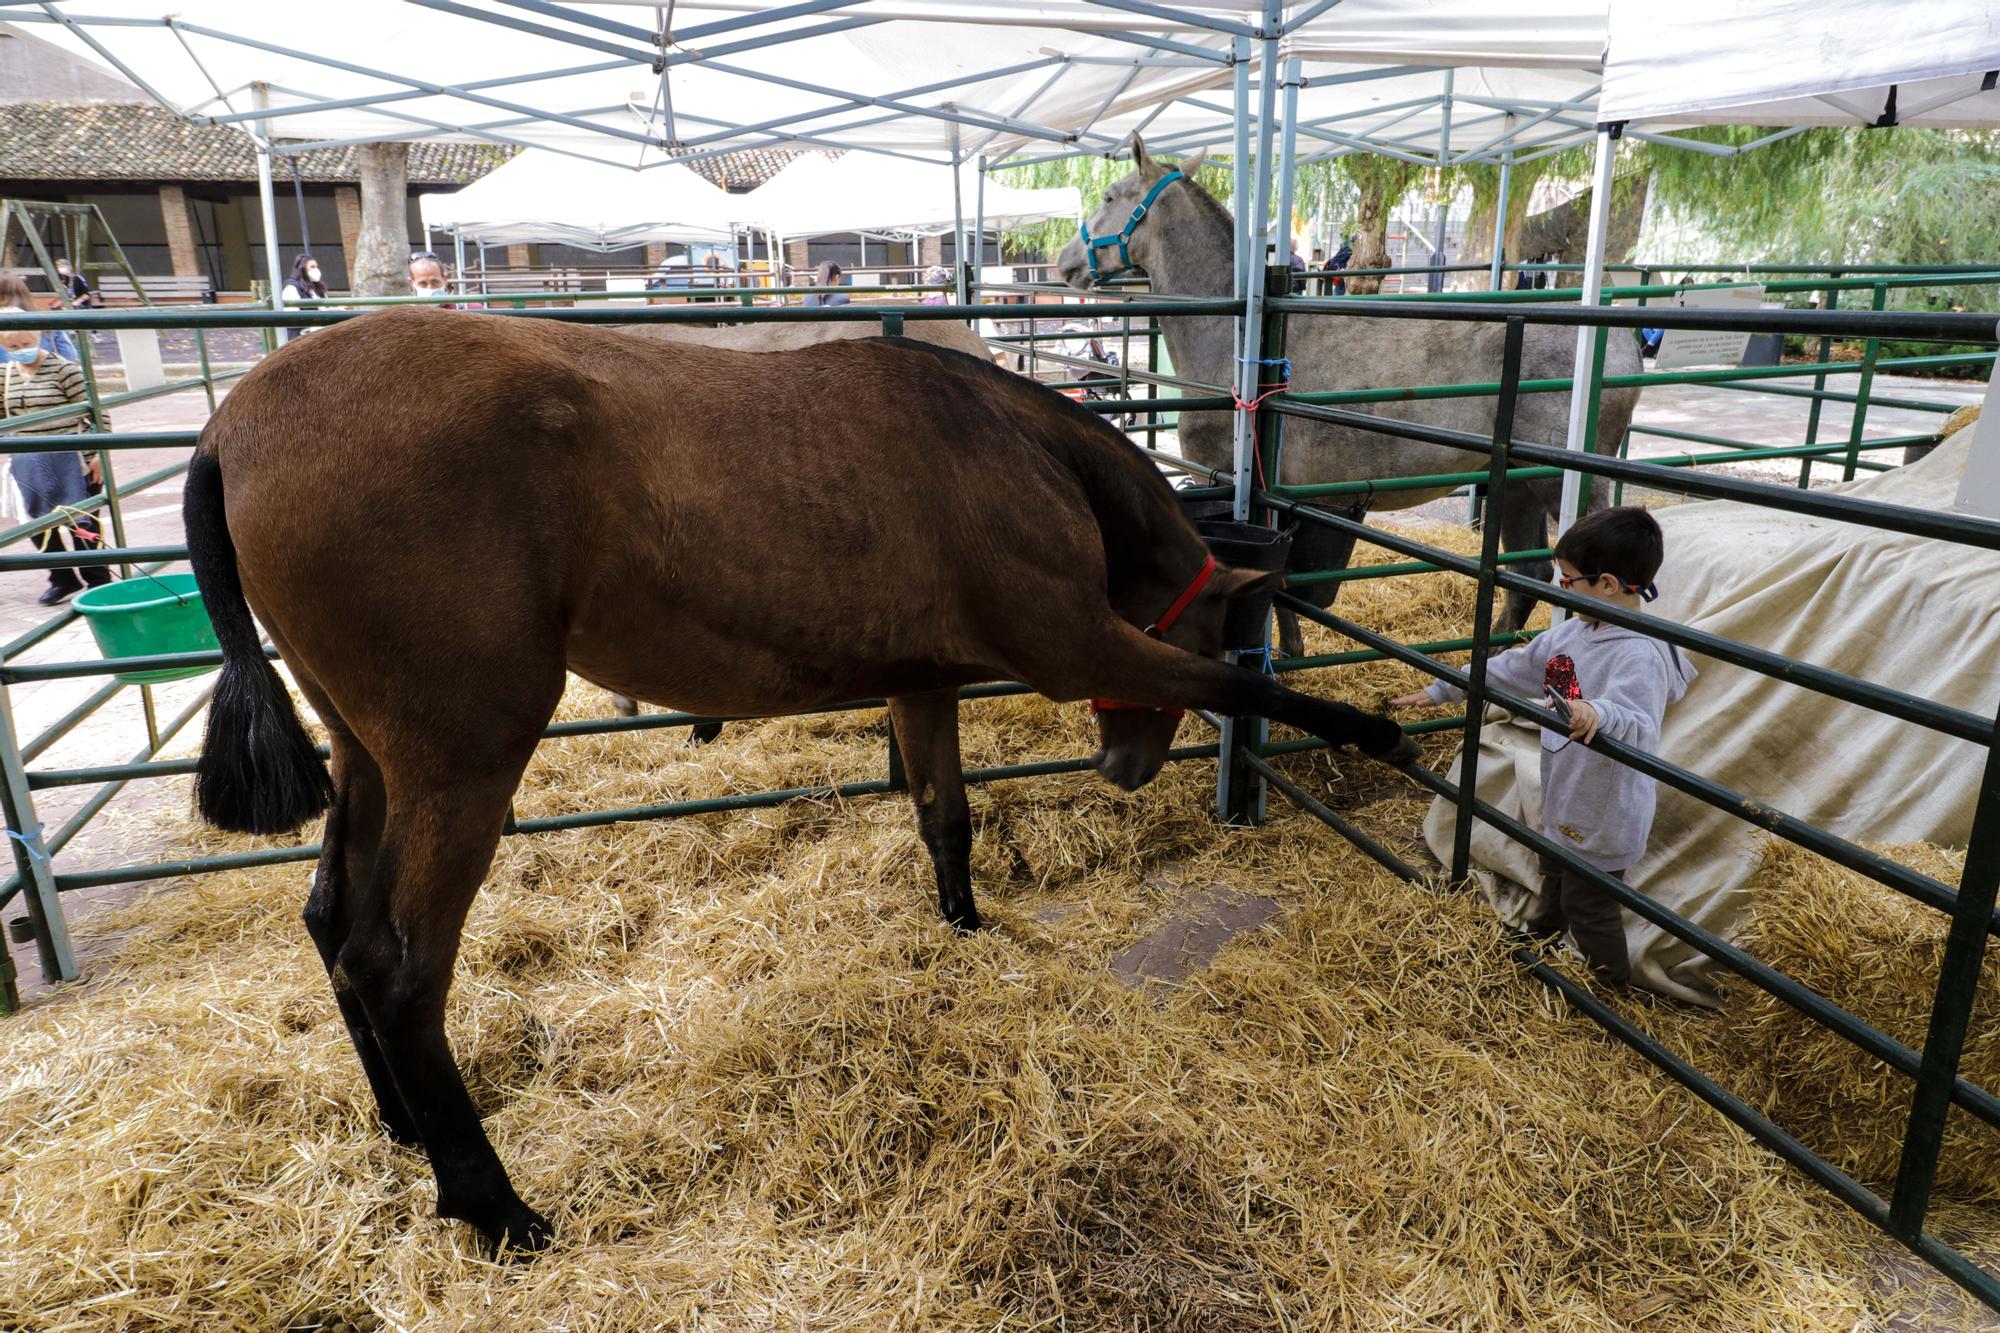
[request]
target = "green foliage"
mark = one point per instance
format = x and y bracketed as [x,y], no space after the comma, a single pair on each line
[1839,196]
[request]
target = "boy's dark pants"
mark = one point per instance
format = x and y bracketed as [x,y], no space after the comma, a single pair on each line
[1596,922]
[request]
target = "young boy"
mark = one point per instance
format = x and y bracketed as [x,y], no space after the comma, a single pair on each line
[1612,680]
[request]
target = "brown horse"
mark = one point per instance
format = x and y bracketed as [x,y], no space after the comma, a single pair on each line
[434,515]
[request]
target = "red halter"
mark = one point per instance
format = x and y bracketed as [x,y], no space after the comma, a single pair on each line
[1158,630]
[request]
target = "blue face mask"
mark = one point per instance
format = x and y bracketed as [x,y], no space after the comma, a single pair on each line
[24,355]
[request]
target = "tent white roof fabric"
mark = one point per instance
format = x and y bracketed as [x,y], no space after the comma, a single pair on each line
[814,196]
[545,196]
[927,78]
[1802,62]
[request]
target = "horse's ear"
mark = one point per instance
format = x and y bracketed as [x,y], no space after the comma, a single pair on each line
[1193,162]
[1139,158]
[1232,582]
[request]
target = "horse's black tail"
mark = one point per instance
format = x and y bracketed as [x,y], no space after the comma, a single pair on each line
[258,771]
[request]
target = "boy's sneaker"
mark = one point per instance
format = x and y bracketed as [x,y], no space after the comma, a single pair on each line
[54,595]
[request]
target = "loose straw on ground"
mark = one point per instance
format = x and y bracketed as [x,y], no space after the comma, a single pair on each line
[757,1084]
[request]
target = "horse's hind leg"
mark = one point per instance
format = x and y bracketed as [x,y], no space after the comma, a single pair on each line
[443,819]
[1524,526]
[1317,548]
[346,865]
[927,733]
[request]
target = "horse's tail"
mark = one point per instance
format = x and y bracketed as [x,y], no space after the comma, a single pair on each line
[258,771]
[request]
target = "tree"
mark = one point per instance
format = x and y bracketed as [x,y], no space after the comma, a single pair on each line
[1380,184]
[382,253]
[1838,196]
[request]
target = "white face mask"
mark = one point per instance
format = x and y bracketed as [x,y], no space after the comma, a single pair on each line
[422,290]
[312,272]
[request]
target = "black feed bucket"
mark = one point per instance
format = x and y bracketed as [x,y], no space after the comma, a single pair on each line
[1197,511]
[1317,547]
[1246,546]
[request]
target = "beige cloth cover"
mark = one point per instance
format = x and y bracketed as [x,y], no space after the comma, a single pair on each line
[1910,613]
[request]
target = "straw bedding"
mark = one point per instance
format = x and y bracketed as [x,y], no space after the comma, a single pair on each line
[757,1084]
[1875,953]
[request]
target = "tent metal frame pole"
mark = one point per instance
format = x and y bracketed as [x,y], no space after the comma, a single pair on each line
[1435,281]
[1239,793]
[979,222]
[458,258]
[1500,223]
[1287,174]
[267,207]
[957,219]
[1580,405]
[1239,192]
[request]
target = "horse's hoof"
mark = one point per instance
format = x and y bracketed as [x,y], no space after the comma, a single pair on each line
[1408,751]
[705,732]
[964,919]
[524,1234]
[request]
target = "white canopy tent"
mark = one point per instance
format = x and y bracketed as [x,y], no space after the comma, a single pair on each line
[1708,62]
[861,192]
[545,196]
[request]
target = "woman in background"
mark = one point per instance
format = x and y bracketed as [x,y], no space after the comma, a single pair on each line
[303,285]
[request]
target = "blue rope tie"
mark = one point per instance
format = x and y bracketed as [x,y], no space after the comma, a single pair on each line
[1262,655]
[32,841]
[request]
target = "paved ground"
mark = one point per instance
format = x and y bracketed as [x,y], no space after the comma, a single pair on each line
[117,732]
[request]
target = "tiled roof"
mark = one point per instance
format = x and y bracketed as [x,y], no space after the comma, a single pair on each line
[119,142]
[745,170]
[126,142]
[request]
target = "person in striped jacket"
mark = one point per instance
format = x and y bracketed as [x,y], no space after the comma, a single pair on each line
[34,380]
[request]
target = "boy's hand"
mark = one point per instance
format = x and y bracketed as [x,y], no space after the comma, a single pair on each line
[94,473]
[1583,721]
[1417,700]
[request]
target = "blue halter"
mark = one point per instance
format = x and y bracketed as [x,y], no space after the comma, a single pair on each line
[1124,237]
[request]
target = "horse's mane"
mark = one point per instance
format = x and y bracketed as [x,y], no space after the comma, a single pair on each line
[1217,211]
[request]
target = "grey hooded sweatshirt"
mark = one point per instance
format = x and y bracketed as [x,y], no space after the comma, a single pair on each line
[1596,804]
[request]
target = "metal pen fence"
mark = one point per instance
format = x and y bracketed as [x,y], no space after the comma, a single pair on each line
[1246,770]
[1933,1069]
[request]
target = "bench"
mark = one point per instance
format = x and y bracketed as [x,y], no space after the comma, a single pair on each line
[115,289]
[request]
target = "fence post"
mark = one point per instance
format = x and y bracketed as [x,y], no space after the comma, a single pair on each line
[31,858]
[1482,615]
[1819,387]
[1241,792]
[1870,350]
[1951,1010]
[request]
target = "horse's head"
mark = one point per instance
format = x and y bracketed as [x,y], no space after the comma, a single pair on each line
[1133,740]
[1116,238]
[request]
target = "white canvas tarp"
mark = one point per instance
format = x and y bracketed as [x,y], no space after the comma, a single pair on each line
[1802,62]
[1876,605]
[544,196]
[817,196]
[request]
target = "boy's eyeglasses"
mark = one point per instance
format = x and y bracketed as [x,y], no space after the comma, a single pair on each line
[1646,591]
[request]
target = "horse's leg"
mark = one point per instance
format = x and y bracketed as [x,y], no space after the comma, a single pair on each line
[1524,526]
[346,866]
[1327,549]
[927,733]
[443,821]
[1123,663]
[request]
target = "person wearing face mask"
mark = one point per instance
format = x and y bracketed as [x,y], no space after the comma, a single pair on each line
[427,275]
[77,286]
[303,285]
[14,291]
[34,380]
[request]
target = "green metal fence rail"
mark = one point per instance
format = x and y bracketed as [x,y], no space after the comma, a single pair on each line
[1933,1070]
[1246,758]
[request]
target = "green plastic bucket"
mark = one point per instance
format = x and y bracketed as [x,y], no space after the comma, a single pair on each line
[138,617]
